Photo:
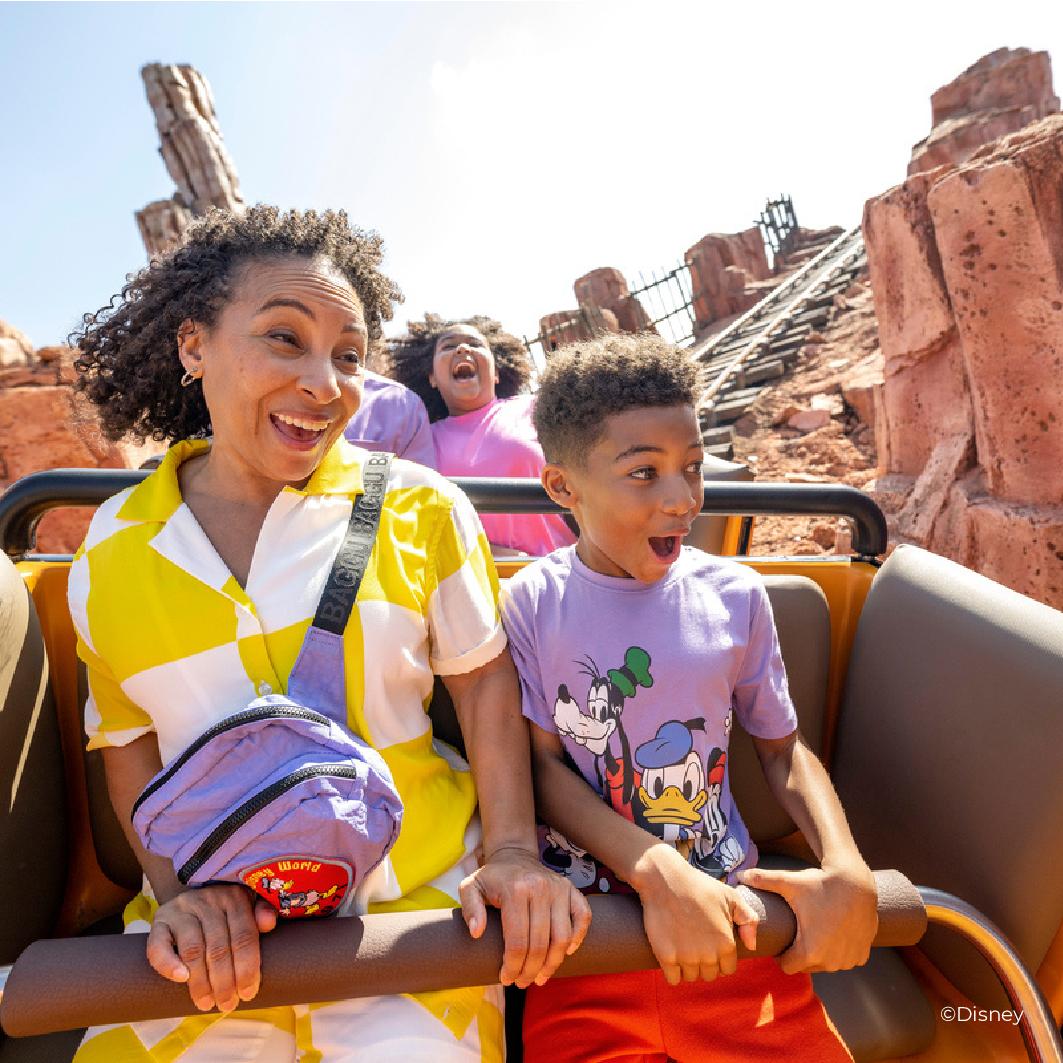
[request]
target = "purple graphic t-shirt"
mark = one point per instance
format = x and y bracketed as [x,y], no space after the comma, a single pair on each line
[641,682]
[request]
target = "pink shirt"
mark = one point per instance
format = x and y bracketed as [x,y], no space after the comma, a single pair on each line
[499,440]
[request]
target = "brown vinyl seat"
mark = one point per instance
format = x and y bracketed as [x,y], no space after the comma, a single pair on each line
[879,1009]
[33,821]
[947,755]
[33,795]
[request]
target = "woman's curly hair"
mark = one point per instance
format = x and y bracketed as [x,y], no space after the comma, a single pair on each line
[409,359]
[129,365]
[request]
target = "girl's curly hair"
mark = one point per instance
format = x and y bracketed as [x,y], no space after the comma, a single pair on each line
[409,359]
[128,365]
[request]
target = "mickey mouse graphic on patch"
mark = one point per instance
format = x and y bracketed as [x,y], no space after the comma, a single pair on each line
[301,887]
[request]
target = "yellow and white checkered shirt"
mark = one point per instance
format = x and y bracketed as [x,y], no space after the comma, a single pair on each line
[173,644]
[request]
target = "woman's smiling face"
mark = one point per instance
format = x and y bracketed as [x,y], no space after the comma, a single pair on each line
[281,368]
[463,370]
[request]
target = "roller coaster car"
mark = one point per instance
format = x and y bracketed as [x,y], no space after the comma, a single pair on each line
[934,695]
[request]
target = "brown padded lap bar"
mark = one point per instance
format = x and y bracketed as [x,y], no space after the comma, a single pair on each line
[802,617]
[949,748]
[54,984]
[33,825]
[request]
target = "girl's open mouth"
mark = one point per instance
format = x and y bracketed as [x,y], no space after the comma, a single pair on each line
[464,371]
[666,547]
[303,434]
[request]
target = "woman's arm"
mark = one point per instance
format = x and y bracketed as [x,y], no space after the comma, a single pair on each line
[206,937]
[129,769]
[543,917]
[835,904]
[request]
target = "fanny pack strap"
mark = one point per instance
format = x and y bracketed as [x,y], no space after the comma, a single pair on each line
[341,588]
[318,678]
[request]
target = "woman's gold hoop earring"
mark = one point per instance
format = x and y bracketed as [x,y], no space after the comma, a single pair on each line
[188,378]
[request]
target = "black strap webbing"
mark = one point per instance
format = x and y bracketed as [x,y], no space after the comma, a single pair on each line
[341,588]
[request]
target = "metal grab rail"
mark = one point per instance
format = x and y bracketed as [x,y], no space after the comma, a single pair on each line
[27,500]
[1037,1025]
[54,984]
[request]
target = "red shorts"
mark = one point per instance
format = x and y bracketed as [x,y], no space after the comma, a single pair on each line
[758,1013]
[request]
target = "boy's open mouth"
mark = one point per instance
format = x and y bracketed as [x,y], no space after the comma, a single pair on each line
[666,547]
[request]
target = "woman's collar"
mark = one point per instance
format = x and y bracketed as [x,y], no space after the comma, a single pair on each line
[158,496]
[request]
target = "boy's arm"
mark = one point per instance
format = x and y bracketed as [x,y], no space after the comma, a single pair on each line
[544,918]
[835,904]
[689,917]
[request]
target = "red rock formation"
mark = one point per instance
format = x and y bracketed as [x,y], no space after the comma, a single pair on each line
[967,269]
[15,348]
[606,289]
[162,224]
[44,425]
[191,145]
[1003,92]
[571,326]
[926,399]
[721,266]
[999,227]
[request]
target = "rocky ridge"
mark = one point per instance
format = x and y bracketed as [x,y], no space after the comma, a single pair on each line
[1001,93]
[44,424]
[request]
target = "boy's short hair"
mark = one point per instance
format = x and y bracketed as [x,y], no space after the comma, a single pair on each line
[585,382]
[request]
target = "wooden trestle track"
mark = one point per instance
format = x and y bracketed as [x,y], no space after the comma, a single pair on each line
[762,345]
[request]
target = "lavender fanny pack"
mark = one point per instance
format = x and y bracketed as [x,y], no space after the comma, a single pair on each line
[281,796]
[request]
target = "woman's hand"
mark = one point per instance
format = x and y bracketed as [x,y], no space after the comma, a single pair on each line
[836,910]
[208,938]
[690,917]
[544,918]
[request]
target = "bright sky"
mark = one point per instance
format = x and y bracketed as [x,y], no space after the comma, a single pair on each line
[501,149]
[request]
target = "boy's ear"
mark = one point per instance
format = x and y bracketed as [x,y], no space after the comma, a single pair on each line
[559,485]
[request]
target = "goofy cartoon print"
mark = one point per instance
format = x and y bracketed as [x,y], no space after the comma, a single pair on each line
[596,726]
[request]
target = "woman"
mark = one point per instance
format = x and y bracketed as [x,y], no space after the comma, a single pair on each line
[192,594]
[482,424]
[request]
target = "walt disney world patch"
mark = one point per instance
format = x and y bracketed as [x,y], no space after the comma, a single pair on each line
[299,886]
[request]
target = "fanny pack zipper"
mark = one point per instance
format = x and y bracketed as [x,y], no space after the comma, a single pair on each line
[280,712]
[253,805]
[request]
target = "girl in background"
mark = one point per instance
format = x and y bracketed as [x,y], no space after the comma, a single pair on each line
[474,380]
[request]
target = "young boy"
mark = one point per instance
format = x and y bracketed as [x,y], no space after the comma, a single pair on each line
[635,653]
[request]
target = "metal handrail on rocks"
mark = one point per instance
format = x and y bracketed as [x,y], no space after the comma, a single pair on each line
[833,257]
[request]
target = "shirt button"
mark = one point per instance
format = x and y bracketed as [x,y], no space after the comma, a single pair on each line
[264,688]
